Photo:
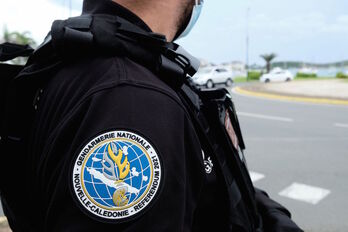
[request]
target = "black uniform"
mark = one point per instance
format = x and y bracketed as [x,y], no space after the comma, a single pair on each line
[114,147]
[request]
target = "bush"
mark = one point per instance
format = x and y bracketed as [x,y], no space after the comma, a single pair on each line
[254,75]
[306,75]
[341,75]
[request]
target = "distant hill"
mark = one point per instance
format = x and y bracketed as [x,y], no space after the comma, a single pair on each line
[296,64]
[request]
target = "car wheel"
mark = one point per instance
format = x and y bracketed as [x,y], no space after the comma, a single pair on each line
[229,82]
[288,79]
[267,81]
[210,84]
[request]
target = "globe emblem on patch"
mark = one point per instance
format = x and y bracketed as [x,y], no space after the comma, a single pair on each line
[116,175]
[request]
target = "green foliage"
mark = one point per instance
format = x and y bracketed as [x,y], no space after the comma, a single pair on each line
[298,64]
[18,37]
[254,75]
[239,79]
[306,75]
[341,75]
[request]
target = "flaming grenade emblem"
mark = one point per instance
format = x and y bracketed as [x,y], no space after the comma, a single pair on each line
[117,170]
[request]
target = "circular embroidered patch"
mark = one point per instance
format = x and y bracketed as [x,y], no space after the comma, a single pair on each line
[116,175]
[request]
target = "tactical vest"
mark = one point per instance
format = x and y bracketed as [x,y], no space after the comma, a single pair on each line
[105,34]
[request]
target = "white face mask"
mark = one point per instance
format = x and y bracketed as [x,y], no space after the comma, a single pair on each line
[196,12]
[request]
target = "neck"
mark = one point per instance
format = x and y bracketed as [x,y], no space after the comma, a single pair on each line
[161,16]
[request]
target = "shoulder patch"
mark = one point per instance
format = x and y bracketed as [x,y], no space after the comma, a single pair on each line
[116,176]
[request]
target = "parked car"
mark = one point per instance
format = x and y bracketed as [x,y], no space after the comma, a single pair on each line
[210,76]
[277,75]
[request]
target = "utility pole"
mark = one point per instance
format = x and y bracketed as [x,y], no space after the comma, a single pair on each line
[247,43]
[70,8]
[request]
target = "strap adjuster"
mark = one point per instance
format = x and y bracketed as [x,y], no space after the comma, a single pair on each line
[186,61]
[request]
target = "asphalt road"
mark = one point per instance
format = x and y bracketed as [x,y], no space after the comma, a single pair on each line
[299,143]
[304,144]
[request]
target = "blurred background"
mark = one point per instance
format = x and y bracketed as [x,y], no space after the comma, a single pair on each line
[286,65]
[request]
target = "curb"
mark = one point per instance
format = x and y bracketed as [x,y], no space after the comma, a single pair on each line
[291,98]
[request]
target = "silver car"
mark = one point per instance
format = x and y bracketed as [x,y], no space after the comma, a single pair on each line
[210,76]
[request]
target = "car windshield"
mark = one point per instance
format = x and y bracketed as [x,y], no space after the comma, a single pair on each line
[204,70]
[277,71]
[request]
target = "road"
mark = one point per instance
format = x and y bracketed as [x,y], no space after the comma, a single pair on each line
[301,151]
[304,147]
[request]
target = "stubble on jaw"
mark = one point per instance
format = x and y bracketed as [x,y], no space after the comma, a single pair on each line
[185,12]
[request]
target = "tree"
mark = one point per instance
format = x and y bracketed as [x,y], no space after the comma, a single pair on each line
[18,37]
[268,58]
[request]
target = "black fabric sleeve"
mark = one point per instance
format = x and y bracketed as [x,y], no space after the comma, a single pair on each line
[155,116]
[276,218]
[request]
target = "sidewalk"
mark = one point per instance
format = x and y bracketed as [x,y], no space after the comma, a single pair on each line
[316,91]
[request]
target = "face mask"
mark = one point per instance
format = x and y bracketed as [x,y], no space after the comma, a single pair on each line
[196,12]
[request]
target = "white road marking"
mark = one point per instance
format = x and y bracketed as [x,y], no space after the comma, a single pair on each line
[256,176]
[267,117]
[341,125]
[305,193]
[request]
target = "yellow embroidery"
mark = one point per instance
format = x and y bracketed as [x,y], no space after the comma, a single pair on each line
[124,166]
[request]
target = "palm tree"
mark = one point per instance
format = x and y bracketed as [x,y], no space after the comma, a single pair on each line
[268,58]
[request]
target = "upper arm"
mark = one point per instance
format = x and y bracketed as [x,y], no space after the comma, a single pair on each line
[132,163]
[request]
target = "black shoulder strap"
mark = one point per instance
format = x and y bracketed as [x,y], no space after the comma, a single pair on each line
[9,51]
[209,130]
[8,95]
[115,35]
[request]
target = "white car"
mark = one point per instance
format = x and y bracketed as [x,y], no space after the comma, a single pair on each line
[277,75]
[210,76]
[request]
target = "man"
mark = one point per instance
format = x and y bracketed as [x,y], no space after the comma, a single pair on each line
[114,145]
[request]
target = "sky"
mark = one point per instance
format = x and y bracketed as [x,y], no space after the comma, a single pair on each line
[296,30]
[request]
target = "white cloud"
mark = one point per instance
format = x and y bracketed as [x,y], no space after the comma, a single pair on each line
[34,16]
[75,4]
[299,26]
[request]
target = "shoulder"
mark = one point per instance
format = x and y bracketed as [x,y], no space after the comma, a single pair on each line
[80,80]
[112,92]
